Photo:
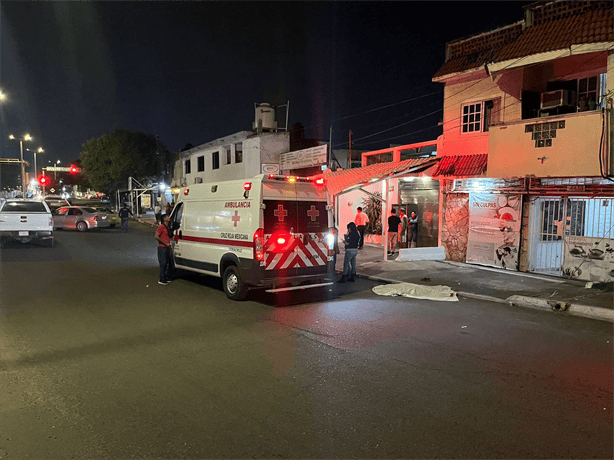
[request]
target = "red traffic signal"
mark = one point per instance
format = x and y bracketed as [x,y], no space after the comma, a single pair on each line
[43,180]
[74,169]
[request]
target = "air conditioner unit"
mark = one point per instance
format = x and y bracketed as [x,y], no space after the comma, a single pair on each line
[558,98]
[198,180]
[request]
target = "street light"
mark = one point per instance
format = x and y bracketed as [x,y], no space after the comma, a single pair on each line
[26,137]
[39,150]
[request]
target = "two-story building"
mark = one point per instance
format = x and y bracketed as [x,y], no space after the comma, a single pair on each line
[526,170]
[236,156]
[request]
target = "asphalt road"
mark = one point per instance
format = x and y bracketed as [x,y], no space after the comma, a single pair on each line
[99,361]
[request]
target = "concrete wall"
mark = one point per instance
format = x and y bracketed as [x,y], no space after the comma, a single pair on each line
[574,151]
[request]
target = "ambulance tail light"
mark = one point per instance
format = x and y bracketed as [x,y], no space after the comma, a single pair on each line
[330,239]
[247,186]
[319,181]
[259,244]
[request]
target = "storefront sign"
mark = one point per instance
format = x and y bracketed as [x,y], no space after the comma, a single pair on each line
[494,229]
[314,156]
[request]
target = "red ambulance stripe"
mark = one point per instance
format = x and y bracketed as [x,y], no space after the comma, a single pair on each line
[195,239]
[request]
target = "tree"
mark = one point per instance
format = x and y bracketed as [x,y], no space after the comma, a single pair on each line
[108,161]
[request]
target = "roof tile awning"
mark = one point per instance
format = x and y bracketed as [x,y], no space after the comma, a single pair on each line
[342,180]
[462,165]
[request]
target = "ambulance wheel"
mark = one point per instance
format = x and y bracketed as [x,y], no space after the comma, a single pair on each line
[234,287]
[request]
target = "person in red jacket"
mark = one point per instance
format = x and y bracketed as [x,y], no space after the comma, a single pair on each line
[163,237]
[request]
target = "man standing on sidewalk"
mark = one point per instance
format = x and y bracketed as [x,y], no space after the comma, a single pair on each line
[163,237]
[124,215]
[393,231]
[361,220]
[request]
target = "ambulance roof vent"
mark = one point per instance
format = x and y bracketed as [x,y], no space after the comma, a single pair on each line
[265,118]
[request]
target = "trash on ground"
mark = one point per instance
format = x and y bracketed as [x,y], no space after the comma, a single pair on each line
[417,291]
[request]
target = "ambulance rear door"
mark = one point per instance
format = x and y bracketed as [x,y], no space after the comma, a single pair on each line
[295,228]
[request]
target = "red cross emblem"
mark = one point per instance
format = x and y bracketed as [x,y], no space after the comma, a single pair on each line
[280,213]
[236,218]
[313,213]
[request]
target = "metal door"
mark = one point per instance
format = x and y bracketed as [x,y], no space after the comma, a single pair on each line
[551,218]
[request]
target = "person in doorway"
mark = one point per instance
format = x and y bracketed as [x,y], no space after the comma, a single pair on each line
[124,214]
[361,220]
[163,237]
[351,240]
[413,227]
[403,228]
[393,231]
[158,213]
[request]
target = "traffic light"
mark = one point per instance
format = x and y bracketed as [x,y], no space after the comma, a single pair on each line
[74,169]
[43,180]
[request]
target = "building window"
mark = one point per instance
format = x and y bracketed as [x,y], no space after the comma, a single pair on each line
[479,116]
[587,93]
[239,152]
[472,118]
[201,163]
[188,166]
[215,160]
[227,155]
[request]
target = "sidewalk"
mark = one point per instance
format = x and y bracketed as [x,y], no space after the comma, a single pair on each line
[530,290]
[488,283]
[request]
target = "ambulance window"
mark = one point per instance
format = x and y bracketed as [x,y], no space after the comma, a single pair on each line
[176,216]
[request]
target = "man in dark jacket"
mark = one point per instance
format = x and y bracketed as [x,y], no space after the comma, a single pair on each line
[124,214]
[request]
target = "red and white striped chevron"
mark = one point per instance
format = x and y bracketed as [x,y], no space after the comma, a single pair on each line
[299,254]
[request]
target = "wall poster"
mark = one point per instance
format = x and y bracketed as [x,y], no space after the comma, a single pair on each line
[494,229]
[589,259]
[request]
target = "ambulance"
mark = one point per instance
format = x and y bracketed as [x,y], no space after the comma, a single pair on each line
[270,231]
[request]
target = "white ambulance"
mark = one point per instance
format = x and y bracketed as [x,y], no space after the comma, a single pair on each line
[269,231]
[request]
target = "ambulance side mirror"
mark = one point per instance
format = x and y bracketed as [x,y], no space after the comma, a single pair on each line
[175,226]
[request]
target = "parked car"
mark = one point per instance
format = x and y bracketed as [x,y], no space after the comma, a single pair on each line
[55,202]
[114,218]
[81,218]
[26,220]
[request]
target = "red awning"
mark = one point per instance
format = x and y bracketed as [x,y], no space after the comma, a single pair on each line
[462,165]
[341,180]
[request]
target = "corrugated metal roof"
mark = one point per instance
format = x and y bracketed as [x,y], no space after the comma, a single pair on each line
[340,180]
[462,165]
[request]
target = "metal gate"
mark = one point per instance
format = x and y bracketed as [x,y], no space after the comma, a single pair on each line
[552,217]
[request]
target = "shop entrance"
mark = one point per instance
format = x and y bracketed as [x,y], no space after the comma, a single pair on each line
[423,199]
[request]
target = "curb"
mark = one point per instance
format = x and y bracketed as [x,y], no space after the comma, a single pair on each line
[560,306]
[556,306]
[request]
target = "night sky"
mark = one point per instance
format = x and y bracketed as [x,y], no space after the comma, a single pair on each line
[190,72]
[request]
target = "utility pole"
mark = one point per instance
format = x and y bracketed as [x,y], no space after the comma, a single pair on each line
[330,148]
[350,154]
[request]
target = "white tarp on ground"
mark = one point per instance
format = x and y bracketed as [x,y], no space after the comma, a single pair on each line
[417,291]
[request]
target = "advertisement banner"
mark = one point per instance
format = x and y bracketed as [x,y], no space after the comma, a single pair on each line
[146,201]
[494,229]
[588,259]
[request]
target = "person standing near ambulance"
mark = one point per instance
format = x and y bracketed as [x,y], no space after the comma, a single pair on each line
[361,220]
[163,237]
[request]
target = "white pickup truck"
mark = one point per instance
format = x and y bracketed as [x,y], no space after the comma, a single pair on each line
[26,220]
